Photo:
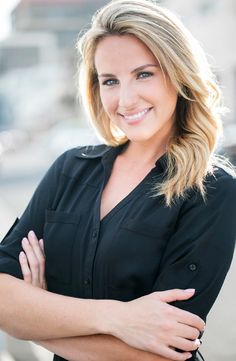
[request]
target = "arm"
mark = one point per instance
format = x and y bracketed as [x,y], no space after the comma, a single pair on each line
[32,313]
[98,348]
[43,306]
[199,254]
[92,347]
[44,315]
[141,323]
[200,251]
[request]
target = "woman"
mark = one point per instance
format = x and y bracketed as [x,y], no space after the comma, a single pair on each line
[146,218]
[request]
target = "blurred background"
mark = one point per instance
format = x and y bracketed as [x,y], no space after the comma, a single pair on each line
[40,118]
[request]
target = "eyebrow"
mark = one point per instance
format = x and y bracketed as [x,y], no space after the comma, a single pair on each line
[132,72]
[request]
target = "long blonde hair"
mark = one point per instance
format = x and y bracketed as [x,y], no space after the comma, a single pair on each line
[190,153]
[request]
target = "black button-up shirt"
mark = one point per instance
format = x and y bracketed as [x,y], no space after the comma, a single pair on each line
[139,247]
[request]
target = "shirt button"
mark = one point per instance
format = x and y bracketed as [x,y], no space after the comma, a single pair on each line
[192,267]
[87,282]
[95,233]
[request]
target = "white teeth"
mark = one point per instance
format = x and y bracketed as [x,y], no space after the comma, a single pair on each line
[136,116]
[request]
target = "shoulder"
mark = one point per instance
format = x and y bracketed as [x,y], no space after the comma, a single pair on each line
[75,159]
[220,192]
[83,152]
[87,152]
[220,180]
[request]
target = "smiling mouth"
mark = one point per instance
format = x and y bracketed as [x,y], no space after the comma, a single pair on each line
[137,116]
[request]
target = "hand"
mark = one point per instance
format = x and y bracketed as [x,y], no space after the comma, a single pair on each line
[149,323]
[32,261]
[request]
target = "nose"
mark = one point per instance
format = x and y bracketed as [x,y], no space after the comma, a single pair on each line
[128,97]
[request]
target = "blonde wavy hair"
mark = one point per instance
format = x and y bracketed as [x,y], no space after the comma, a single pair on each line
[190,152]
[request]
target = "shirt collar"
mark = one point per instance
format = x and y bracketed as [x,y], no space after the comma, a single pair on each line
[93,151]
[109,153]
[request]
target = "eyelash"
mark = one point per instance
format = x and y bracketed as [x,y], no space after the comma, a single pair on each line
[110,82]
[148,74]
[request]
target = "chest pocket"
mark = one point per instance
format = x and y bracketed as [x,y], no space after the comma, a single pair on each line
[59,237]
[135,255]
[145,229]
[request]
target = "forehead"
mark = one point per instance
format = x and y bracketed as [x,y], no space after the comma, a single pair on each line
[116,52]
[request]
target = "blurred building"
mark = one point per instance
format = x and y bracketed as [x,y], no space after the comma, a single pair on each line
[43,30]
[64,18]
[45,33]
[213,22]
[24,50]
[40,55]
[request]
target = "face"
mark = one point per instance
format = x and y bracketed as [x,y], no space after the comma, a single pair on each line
[135,94]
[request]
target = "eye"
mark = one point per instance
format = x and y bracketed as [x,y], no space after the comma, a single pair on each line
[144,74]
[110,82]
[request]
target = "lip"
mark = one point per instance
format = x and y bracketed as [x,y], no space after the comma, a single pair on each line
[135,117]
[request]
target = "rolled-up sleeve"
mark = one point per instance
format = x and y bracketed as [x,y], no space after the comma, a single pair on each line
[32,218]
[199,253]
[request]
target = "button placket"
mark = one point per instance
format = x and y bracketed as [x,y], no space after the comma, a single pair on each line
[94,234]
[88,280]
[107,165]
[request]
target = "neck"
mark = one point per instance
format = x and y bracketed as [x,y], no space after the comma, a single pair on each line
[142,153]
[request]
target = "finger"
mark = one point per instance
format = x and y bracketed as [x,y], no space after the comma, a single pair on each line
[35,244]
[171,354]
[25,268]
[32,261]
[183,316]
[44,284]
[41,244]
[189,319]
[186,345]
[188,332]
[176,295]
[186,317]
[42,268]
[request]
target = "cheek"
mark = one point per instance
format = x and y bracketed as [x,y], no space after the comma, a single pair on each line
[168,100]
[172,95]
[108,101]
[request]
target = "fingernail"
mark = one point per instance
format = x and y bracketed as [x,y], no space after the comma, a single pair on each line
[31,233]
[189,356]
[197,342]
[22,254]
[25,241]
[190,290]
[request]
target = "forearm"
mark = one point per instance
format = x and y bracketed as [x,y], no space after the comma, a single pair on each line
[29,312]
[97,348]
